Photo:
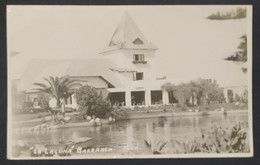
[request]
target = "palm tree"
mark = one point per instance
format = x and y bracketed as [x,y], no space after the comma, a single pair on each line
[58,87]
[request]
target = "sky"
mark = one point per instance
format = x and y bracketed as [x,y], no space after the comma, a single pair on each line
[190,46]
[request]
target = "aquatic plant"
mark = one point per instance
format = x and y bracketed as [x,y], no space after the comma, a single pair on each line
[216,140]
[155,146]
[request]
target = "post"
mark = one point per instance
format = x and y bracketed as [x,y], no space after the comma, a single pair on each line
[127,98]
[165,97]
[148,98]
[225,92]
[74,101]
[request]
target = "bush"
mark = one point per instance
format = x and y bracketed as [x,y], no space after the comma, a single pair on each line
[43,101]
[91,102]
[27,106]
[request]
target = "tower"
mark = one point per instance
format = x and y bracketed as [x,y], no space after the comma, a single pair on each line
[132,53]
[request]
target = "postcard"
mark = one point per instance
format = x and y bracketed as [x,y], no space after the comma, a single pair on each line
[108,82]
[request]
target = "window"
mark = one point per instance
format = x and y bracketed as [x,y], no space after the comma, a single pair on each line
[138,41]
[156,97]
[138,57]
[139,76]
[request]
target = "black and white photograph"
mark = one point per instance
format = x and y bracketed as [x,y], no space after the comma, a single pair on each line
[108,82]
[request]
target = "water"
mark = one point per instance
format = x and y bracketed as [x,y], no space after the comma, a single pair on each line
[127,137]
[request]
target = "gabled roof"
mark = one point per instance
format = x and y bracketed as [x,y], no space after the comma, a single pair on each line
[37,69]
[128,36]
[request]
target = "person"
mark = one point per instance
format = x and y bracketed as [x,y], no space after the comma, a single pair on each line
[133,100]
[63,106]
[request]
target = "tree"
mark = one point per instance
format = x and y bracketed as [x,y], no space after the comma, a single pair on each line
[209,90]
[238,14]
[92,102]
[182,92]
[199,90]
[241,55]
[58,87]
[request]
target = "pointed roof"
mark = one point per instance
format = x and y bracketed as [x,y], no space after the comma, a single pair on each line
[128,36]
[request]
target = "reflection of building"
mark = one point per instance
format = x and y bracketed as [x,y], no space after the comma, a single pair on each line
[124,69]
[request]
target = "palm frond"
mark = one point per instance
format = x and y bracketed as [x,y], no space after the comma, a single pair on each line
[59,87]
[53,86]
[64,79]
[47,80]
[45,90]
[41,85]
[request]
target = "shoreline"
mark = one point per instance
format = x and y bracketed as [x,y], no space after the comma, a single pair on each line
[179,114]
[145,115]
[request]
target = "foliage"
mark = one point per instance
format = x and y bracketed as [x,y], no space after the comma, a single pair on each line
[58,88]
[217,140]
[78,117]
[92,102]
[210,90]
[238,14]
[27,106]
[43,100]
[244,97]
[201,89]
[241,55]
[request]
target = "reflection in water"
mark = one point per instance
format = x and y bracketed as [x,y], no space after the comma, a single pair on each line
[125,136]
[162,120]
[129,136]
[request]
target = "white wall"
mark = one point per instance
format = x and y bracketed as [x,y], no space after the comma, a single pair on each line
[124,59]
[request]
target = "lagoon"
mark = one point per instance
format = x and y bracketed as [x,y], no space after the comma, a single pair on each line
[127,137]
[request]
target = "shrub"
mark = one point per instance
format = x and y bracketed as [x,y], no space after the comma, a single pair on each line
[91,102]
[43,100]
[27,106]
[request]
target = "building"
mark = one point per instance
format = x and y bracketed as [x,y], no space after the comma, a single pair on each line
[134,58]
[124,69]
[235,93]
